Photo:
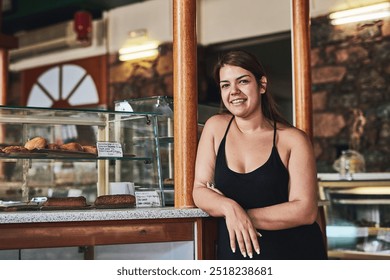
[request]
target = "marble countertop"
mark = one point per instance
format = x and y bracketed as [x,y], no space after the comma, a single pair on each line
[98,215]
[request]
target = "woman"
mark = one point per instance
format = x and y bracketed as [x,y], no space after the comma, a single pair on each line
[256,172]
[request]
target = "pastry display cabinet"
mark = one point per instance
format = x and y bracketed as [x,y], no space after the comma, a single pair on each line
[357,217]
[46,172]
[162,106]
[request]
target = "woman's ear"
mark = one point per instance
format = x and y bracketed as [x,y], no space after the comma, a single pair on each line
[263,84]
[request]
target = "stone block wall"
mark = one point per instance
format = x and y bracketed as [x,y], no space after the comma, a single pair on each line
[351,91]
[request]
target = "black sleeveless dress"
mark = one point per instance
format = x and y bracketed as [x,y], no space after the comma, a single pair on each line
[265,186]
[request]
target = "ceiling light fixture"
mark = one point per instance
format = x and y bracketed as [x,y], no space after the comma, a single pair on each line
[372,12]
[138,46]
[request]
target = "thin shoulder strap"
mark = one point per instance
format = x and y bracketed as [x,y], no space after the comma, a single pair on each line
[274,133]
[227,129]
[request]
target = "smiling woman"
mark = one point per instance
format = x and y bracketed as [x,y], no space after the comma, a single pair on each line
[261,169]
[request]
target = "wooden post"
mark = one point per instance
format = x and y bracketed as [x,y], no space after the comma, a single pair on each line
[185,96]
[301,62]
[6,42]
[302,80]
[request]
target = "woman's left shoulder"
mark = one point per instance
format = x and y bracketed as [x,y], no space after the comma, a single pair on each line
[291,136]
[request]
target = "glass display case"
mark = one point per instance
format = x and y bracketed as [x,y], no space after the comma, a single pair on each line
[125,148]
[162,106]
[357,216]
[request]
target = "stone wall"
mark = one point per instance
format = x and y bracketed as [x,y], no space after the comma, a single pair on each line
[351,92]
[142,78]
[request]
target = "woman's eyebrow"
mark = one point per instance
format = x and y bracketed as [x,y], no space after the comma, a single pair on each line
[238,78]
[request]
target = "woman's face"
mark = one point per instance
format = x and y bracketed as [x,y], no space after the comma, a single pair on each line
[240,92]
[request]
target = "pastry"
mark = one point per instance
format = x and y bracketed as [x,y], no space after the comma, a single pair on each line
[115,199]
[36,143]
[53,146]
[168,181]
[73,146]
[90,149]
[15,149]
[79,201]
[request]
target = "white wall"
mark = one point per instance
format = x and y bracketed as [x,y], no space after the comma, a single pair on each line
[225,20]
[154,15]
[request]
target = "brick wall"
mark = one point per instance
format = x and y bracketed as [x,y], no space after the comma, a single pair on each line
[351,86]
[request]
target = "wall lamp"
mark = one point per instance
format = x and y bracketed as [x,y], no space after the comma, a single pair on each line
[138,46]
[372,12]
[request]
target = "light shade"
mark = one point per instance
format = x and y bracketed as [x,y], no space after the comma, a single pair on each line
[372,12]
[138,46]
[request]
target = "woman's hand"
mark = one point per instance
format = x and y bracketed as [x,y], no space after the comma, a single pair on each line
[241,229]
[212,187]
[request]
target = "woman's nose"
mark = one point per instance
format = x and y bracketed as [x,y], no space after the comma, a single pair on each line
[234,89]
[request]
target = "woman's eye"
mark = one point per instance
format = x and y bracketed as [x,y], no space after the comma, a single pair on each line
[244,82]
[224,85]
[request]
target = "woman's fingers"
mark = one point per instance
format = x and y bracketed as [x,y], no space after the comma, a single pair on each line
[243,235]
[232,238]
[254,235]
[246,240]
[212,187]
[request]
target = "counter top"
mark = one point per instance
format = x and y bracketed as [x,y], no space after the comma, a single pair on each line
[99,215]
[367,176]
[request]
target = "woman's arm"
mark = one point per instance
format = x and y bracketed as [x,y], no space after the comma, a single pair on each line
[239,225]
[301,209]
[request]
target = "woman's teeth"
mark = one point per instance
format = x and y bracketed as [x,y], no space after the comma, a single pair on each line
[237,101]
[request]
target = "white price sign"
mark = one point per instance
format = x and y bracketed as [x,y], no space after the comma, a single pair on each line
[109,149]
[147,199]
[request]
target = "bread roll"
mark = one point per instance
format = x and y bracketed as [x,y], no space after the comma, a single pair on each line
[90,149]
[73,146]
[36,143]
[116,199]
[15,149]
[79,201]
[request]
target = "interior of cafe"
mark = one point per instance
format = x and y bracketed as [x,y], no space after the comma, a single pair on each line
[65,62]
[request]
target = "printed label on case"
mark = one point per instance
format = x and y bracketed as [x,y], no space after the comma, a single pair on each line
[109,149]
[147,199]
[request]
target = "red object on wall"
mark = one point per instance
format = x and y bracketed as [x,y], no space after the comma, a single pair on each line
[83,25]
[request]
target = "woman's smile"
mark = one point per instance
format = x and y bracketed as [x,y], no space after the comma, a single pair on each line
[238,101]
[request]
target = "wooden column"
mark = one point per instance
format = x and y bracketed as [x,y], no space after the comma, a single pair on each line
[185,96]
[301,62]
[302,80]
[6,42]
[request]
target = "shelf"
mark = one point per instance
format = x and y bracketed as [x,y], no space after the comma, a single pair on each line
[334,231]
[69,156]
[357,255]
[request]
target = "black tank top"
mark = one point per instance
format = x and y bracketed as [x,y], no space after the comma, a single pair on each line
[265,186]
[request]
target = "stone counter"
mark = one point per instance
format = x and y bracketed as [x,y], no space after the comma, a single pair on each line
[98,215]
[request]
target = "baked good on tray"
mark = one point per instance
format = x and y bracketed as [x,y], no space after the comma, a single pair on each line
[15,149]
[73,146]
[79,201]
[53,146]
[36,143]
[90,149]
[115,200]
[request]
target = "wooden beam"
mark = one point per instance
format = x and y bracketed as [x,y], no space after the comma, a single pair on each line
[185,96]
[302,81]
[6,42]
[301,62]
